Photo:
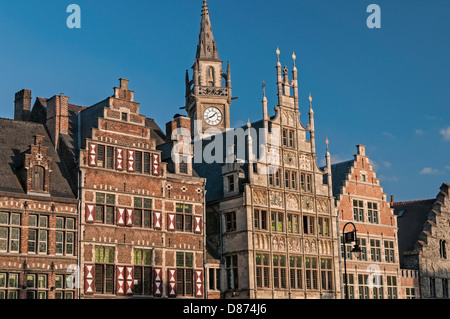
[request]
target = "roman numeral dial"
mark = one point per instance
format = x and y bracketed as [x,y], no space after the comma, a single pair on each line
[212,116]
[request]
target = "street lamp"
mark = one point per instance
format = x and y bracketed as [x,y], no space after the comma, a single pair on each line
[356,250]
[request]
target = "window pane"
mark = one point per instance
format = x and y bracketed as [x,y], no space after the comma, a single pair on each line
[189,259]
[4,218]
[100,198]
[15,219]
[70,223]
[32,221]
[59,222]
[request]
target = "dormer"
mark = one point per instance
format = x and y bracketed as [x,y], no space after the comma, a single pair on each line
[37,168]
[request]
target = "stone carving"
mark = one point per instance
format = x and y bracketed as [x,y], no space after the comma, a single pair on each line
[276,199]
[307,203]
[292,202]
[260,197]
[294,244]
[215,91]
[305,162]
[289,159]
[322,205]
[275,243]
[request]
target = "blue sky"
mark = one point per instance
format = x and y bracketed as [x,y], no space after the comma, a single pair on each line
[384,88]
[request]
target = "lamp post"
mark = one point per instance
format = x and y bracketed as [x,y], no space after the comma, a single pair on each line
[348,238]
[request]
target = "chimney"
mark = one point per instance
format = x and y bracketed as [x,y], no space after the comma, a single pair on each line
[392,200]
[361,150]
[57,117]
[179,122]
[22,105]
[122,91]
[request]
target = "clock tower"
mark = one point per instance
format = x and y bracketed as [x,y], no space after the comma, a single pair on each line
[208,92]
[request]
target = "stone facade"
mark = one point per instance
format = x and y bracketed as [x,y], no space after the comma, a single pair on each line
[423,237]
[270,219]
[360,200]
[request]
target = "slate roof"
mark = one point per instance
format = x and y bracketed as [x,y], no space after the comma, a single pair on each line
[411,217]
[15,139]
[155,131]
[339,173]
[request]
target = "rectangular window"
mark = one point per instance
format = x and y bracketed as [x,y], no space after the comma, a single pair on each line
[230,221]
[410,293]
[260,219]
[65,235]
[372,213]
[323,225]
[293,223]
[392,287]
[363,287]
[138,162]
[183,167]
[432,287]
[389,251]
[445,288]
[142,212]
[105,208]
[311,273]
[38,235]
[9,286]
[100,156]
[296,278]
[326,271]
[262,270]
[351,286]
[363,246]
[183,218]
[308,225]
[358,210]
[110,157]
[231,264]
[37,286]
[279,271]
[277,221]
[64,287]
[104,269]
[305,182]
[231,184]
[142,272]
[147,163]
[9,235]
[375,250]
[185,273]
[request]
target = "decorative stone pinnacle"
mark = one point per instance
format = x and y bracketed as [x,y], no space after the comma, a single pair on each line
[278,54]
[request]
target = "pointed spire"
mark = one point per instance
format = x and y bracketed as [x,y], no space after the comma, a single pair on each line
[207,48]
[264,89]
[327,142]
[294,57]
[310,103]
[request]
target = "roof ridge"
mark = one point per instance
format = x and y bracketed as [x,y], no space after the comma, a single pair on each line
[414,201]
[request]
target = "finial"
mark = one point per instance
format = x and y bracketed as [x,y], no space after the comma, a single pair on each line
[248,123]
[294,57]
[310,100]
[327,142]
[264,88]
[278,54]
[205,7]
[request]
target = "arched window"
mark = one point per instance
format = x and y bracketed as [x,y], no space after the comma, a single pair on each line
[210,76]
[38,178]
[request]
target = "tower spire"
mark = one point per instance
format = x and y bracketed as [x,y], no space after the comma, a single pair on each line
[207,48]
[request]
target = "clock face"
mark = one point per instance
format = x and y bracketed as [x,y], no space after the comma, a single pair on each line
[212,116]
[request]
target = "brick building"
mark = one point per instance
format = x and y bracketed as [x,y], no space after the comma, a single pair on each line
[360,200]
[423,241]
[141,220]
[38,212]
[271,223]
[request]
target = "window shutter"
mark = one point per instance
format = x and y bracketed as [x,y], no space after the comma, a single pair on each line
[119,159]
[89,279]
[129,280]
[171,222]
[172,274]
[120,216]
[157,282]
[155,165]
[197,225]
[90,213]
[92,154]
[157,220]
[120,280]
[129,217]
[131,161]
[198,283]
